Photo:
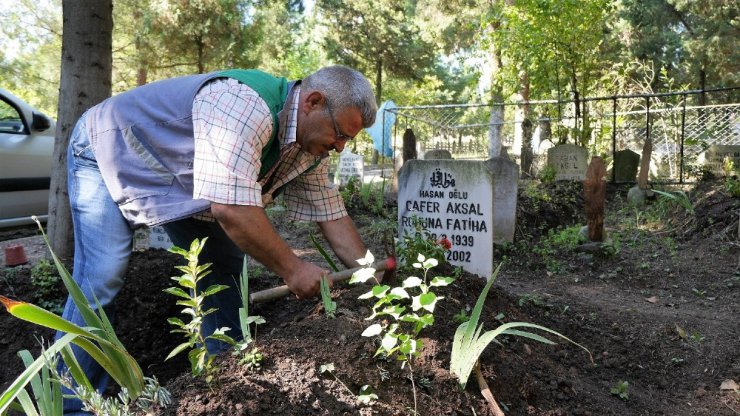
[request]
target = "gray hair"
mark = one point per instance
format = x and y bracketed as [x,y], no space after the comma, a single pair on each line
[345,88]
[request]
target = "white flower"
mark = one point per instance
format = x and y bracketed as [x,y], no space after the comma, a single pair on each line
[368,260]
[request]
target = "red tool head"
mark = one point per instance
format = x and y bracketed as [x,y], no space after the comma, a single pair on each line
[391,263]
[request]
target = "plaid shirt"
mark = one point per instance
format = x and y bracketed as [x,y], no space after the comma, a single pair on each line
[232,124]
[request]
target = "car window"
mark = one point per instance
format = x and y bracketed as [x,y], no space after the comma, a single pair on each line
[10,119]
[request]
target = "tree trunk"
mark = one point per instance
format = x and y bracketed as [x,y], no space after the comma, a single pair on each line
[496,121]
[527,129]
[85,81]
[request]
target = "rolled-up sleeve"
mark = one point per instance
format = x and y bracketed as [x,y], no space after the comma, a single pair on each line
[232,125]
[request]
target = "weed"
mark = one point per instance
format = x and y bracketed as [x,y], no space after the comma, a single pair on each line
[461,316]
[201,362]
[732,186]
[547,174]
[699,293]
[367,395]
[620,389]
[677,361]
[45,281]
[697,337]
[535,300]
[679,197]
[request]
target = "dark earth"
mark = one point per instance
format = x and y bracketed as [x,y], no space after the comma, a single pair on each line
[658,309]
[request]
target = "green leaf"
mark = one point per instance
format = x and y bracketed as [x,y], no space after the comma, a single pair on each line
[389,341]
[213,289]
[256,319]
[412,281]
[323,253]
[441,281]
[180,348]
[177,292]
[372,330]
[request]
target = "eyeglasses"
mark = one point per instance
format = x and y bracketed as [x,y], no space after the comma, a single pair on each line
[339,134]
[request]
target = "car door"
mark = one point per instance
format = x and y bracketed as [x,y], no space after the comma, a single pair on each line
[26,147]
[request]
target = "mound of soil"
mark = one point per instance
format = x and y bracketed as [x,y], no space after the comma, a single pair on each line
[661,314]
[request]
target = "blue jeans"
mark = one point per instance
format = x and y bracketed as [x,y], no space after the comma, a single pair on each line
[103,243]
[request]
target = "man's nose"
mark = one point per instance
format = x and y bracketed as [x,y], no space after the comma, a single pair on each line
[339,145]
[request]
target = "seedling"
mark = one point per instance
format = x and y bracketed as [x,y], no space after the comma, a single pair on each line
[469,343]
[461,316]
[620,390]
[250,357]
[399,336]
[201,362]
[330,307]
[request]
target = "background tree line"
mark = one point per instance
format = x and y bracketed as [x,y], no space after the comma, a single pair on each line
[71,54]
[415,51]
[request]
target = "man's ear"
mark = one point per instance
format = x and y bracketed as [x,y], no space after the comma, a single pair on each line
[312,101]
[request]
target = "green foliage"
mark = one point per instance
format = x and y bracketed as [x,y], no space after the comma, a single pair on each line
[97,338]
[201,362]
[421,241]
[620,389]
[547,174]
[399,338]
[469,343]
[248,357]
[678,198]
[365,196]
[554,242]
[45,281]
[732,186]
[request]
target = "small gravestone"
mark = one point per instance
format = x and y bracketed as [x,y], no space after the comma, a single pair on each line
[154,237]
[715,156]
[626,163]
[471,203]
[436,154]
[158,238]
[350,166]
[569,161]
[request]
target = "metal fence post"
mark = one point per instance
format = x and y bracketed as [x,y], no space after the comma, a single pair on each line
[614,138]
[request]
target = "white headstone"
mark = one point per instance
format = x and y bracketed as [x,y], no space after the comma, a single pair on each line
[158,238]
[154,237]
[350,166]
[570,162]
[714,158]
[471,203]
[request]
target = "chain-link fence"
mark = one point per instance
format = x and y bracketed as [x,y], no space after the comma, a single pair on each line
[681,126]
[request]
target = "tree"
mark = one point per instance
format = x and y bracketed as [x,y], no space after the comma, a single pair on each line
[377,37]
[85,81]
[30,45]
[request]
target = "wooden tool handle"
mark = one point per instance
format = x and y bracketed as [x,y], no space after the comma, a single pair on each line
[282,291]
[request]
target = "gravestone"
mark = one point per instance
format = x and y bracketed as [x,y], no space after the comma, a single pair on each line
[714,158]
[626,163]
[570,162]
[350,166]
[154,237]
[437,154]
[471,203]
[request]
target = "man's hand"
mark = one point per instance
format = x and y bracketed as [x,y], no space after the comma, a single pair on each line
[306,281]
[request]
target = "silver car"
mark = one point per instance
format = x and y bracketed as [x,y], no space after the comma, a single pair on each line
[26,147]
